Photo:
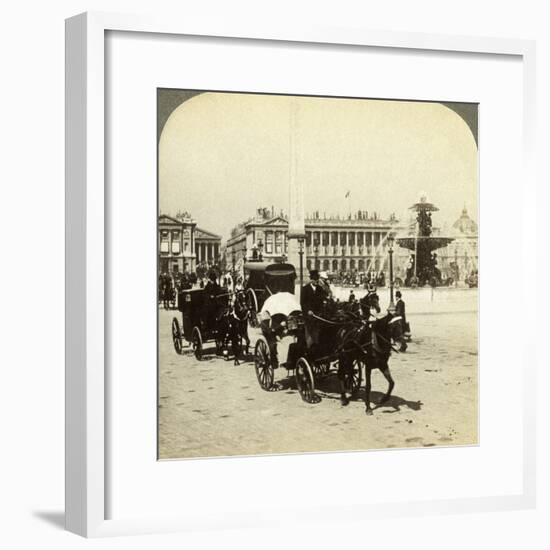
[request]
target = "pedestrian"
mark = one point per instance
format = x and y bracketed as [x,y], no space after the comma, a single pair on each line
[400,312]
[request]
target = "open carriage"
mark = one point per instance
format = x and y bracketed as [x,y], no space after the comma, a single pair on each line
[283,344]
[201,321]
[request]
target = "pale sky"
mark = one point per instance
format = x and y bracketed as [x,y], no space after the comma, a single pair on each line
[223,155]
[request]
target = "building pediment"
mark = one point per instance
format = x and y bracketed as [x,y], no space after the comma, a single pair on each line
[168,220]
[205,235]
[277,221]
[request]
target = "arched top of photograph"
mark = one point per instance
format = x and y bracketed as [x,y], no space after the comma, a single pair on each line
[222,154]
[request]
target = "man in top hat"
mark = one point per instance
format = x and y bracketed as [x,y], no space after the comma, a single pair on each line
[312,300]
[212,290]
[212,287]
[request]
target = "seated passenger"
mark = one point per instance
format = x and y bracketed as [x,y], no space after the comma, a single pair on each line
[212,305]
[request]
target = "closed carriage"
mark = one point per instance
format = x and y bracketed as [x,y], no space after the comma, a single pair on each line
[200,321]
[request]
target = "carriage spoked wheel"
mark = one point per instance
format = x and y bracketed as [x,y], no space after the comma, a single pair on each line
[305,381]
[176,336]
[196,340]
[353,378]
[262,362]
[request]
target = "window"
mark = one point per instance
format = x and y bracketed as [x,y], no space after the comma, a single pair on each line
[278,242]
[269,242]
[164,242]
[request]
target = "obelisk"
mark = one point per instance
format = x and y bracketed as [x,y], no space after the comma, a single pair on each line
[296,224]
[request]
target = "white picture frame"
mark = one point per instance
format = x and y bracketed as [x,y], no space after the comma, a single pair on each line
[87,239]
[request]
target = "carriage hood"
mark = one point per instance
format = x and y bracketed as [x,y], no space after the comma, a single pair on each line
[282,303]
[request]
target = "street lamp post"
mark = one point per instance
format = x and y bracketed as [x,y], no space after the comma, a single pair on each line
[301,254]
[390,252]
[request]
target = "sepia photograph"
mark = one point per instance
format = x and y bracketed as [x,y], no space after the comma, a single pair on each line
[317,274]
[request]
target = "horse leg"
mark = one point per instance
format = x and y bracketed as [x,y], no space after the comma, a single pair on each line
[368,409]
[343,367]
[244,334]
[236,344]
[387,375]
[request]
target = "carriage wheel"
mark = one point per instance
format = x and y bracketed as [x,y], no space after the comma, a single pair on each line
[305,381]
[353,379]
[197,343]
[262,363]
[176,336]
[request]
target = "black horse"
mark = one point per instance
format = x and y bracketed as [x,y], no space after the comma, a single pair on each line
[232,328]
[369,342]
[378,350]
[241,311]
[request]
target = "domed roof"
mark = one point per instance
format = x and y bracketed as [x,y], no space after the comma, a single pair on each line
[465,225]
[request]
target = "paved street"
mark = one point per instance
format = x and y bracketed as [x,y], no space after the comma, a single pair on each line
[213,408]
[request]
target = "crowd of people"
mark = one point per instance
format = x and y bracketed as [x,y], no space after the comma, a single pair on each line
[170,284]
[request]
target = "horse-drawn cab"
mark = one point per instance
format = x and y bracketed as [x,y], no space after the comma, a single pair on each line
[262,281]
[202,320]
[283,343]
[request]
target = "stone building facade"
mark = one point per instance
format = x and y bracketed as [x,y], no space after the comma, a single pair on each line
[356,243]
[182,246]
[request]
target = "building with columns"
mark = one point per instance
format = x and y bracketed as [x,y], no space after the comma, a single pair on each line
[176,244]
[356,243]
[207,247]
[182,246]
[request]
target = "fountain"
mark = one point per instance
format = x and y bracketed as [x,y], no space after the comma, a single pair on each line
[422,268]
